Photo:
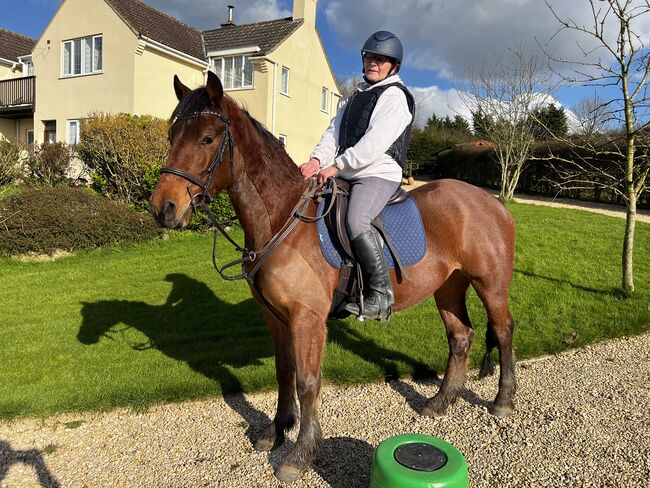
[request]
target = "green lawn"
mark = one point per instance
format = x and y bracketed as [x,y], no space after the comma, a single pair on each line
[153,322]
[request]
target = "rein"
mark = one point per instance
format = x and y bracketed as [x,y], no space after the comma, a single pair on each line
[203,198]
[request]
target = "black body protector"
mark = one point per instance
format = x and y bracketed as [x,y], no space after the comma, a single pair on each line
[356,119]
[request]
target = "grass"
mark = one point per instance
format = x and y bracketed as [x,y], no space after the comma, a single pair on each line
[153,322]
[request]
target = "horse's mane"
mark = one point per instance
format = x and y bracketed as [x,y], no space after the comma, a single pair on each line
[268,165]
[270,152]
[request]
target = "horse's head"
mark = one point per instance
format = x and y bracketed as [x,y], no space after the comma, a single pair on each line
[198,165]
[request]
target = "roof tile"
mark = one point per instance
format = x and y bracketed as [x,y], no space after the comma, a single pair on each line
[13,45]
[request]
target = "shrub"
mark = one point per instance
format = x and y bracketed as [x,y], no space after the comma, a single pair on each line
[124,153]
[43,220]
[221,207]
[9,162]
[49,164]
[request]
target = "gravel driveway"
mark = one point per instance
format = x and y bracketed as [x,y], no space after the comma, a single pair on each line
[582,419]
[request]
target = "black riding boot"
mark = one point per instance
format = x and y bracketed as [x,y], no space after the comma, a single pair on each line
[379,298]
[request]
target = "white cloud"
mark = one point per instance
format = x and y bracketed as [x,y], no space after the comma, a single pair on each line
[448,36]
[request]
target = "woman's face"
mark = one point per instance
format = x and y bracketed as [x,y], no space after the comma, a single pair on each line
[376,67]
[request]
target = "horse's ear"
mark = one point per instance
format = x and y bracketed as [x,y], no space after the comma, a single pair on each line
[214,89]
[180,89]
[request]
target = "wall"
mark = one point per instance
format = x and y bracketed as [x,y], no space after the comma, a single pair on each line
[60,98]
[154,77]
[299,115]
[8,129]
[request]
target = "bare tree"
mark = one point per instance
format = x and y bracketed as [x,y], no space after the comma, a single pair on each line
[593,117]
[619,59]
[348,86]
[503,95]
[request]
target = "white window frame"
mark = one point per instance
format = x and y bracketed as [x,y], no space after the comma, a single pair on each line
[284,90]
[324,99]
[73,141]
[82,54]
[336,99]
[221,71]
[283,139]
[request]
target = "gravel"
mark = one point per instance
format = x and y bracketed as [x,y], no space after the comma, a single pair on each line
[582,419]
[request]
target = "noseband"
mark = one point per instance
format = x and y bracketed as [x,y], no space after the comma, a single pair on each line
[226,141]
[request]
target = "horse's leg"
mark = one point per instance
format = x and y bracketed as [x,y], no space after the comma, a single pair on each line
[500,329]
[450,299]
[272,436]
[308,334]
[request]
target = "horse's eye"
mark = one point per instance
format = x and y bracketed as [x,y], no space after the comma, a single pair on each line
[207,140]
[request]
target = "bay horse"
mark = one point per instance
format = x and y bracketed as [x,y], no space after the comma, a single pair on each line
[470,236]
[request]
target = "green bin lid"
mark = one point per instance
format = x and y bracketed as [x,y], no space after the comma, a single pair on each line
[418,461]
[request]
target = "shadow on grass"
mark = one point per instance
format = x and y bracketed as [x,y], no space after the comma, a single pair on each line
[212,337]
[617,293]
[31,457]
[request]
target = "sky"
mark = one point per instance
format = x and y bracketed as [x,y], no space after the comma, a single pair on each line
[443,39]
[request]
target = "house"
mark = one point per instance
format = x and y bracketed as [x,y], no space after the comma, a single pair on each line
[121,55]
[17,85]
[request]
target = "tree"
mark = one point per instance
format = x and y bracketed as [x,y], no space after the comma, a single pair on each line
[592,117]
[502,96]
[619,59]
[549,122]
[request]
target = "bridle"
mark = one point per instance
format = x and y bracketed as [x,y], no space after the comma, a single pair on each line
[226,141]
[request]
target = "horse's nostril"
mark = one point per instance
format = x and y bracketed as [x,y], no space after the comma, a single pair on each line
[168,210]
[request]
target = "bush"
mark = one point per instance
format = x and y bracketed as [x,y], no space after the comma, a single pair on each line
[49,164]
[221,207]
[426,143]
[124,153]
[43,220]
[9,162]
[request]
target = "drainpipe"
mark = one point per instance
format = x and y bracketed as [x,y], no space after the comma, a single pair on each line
[275,77]
[17,131]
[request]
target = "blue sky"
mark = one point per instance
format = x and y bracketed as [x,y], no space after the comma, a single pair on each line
[442,38]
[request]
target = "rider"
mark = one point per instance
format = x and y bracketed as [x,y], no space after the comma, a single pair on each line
[366,144]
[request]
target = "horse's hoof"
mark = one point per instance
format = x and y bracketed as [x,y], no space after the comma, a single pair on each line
[501,411]
[267,440]
[433,412]
[288,472]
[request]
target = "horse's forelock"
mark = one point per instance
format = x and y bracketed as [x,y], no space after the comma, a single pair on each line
[196,101]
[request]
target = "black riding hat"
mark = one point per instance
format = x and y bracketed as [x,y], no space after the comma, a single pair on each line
[384,43]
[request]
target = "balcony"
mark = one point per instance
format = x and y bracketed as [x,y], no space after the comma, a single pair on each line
[17,97]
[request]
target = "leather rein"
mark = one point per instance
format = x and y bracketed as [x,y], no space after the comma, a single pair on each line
[202,199]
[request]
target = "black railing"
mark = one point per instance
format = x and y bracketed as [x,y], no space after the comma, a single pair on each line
[18,94]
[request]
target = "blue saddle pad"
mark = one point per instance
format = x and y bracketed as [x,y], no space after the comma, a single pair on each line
[402,222]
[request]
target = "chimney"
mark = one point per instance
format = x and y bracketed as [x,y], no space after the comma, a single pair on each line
[229,22]
[305,9]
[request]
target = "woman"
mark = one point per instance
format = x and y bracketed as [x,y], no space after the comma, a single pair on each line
[366,144]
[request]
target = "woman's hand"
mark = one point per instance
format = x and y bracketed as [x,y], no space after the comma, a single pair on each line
[310,168]
[325,173]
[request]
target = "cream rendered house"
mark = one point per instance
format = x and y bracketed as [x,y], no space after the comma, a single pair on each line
[121,55]
[17,87]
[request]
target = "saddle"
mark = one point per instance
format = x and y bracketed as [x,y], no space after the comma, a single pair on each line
[350,284]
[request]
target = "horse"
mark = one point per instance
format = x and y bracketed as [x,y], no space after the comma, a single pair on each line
[470,239]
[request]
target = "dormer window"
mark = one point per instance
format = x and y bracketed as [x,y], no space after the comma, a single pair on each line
[82,56]
[234,71]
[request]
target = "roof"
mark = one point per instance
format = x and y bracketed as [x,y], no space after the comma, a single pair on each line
[151,23]
[267,35]
[13,45]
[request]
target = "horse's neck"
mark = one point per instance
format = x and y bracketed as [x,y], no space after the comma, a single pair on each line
[263,200]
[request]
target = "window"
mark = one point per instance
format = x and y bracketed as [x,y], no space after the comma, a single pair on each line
[284,86]
[283,139]
[82,56]
[74,132]
[28,66]
[234,71]
[50,131]
[325,94]
[336,100]
[30,138]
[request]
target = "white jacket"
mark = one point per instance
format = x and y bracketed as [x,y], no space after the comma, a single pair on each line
[368,156]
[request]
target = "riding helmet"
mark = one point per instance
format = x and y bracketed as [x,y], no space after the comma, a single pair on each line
[384,43]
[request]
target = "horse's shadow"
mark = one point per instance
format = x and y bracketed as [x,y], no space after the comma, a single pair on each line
[31,457]
[214,337]
[196,327]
